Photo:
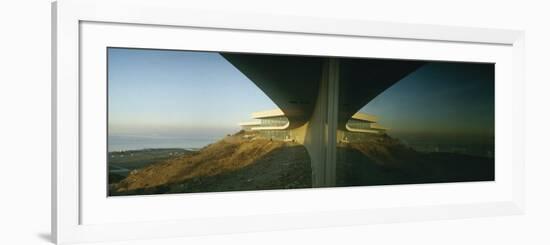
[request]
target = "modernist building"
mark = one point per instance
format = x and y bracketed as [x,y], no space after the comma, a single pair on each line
[270,124]
[273,124]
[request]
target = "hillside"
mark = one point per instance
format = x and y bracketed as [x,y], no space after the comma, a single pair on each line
[383,160]
[227,155]
[239,162]
[121,163]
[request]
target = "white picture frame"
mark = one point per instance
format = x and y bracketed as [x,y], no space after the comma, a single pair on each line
[69,198]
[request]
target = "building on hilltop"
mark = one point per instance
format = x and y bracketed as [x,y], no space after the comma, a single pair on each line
[270,124]
[274,125]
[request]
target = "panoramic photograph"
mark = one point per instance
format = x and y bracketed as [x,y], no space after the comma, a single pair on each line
[197,121]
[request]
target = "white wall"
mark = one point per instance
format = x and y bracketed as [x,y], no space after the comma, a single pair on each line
[25,123]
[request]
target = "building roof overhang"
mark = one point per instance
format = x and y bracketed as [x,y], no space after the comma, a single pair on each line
[268,114]
[365,117]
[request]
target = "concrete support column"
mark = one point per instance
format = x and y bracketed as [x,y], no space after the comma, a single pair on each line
[320,138]
[332,120]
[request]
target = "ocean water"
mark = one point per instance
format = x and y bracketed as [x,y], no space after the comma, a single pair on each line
[124,143]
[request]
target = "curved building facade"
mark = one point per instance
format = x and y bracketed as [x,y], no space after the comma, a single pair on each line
[274,124]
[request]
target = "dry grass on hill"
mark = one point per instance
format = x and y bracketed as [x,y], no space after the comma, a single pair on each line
[231,153]
[384,150]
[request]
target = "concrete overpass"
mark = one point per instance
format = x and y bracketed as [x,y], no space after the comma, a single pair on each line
[319,95]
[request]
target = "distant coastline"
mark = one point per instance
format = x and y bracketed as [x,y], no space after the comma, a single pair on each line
[132,143]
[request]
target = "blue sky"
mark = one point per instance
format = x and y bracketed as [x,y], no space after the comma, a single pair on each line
[162,93]
[441,99]
[159,93]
